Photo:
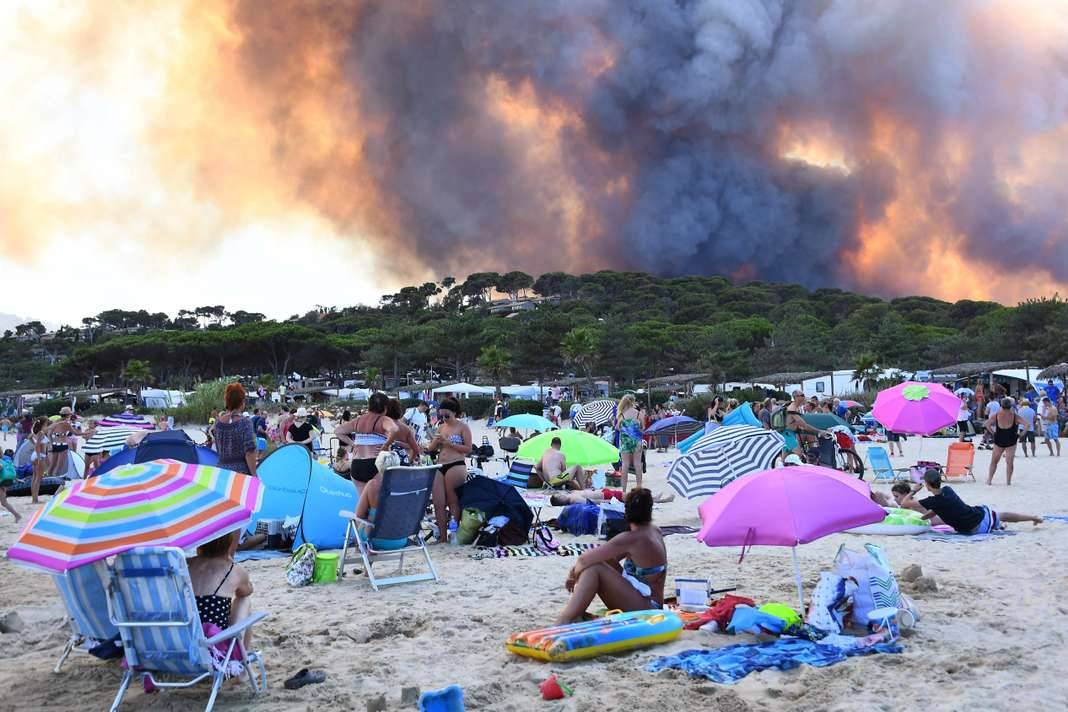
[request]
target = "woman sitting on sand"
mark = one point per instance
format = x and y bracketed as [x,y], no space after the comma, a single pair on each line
[627,572]
[222,588]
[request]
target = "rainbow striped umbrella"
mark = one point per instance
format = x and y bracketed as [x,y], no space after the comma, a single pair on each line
[158,503]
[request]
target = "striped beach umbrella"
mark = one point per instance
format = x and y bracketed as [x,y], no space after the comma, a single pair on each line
[107,439]
[158,503]
[597,413]
[127,420]
[722,456]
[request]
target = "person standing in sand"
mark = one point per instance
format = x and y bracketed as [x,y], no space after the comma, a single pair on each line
[453,444]
[1004,427]
[630,440]
[1028,416]
[235,435]
[1051,427]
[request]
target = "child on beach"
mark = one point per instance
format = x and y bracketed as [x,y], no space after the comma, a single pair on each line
[965,519]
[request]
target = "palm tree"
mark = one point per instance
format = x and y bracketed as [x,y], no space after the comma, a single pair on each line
[866,372]
[497,362]
[138,372]
[578,347]
[373,377]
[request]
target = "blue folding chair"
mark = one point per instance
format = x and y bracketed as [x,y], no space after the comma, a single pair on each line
[882,468]
[398,521]
[84,596]
[151,602]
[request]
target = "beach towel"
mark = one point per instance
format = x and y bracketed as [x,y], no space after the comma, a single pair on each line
[677,529]
[1062,518]
[730,664]
[958,538]
[519,552]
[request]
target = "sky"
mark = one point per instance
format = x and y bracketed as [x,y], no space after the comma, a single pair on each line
[270,157]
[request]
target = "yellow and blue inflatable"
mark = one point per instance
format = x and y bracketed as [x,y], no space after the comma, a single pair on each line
[614,633]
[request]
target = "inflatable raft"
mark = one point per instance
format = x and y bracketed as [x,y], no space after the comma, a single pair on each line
[898,522]
[615,633]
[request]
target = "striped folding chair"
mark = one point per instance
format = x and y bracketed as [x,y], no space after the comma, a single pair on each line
[83,594]
[151,602]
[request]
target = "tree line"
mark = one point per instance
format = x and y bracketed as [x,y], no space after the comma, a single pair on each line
[625,325]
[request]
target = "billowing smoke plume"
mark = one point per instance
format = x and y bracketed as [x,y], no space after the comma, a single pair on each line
[892,146]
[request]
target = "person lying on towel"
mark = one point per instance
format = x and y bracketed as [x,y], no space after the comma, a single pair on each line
[627,572]
[965,519]
[562,499]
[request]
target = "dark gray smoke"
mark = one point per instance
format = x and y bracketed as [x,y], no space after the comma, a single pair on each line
[689,113]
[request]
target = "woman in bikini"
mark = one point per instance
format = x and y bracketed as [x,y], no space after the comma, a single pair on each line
[453,444]
[221,587]
[630,440]
[1004,427]
[42,445]
[371,433]
[628,572]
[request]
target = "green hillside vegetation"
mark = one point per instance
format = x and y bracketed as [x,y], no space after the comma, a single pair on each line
[512,328]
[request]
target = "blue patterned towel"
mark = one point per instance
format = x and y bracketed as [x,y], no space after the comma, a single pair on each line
[1063,518]
[959,538]
[732,663]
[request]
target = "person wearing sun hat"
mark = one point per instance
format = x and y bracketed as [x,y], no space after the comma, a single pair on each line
[301,431]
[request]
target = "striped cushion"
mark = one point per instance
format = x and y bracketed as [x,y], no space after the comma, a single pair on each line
[153,585]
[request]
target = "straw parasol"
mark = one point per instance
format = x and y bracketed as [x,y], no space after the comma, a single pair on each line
[1058,371]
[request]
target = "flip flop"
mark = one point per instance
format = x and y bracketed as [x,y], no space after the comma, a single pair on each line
[305,677]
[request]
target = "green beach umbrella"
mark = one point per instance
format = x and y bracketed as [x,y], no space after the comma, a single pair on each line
[579,447]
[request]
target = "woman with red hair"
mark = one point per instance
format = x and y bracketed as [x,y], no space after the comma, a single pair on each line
[235,438]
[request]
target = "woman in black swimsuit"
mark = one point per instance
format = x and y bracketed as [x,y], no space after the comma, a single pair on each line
[453,444]
[1005,427]
[222,588]
[371,433]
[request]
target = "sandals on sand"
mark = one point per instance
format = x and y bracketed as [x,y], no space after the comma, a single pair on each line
[305,677]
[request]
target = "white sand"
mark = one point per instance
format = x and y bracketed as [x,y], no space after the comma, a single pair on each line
[992,637]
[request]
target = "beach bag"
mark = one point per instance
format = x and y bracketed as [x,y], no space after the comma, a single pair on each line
[876,584]
[831,602]
[301,567]
[544,540]
[471,521]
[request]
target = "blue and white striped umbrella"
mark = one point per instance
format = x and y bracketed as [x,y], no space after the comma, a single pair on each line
[598,412]
[722,456]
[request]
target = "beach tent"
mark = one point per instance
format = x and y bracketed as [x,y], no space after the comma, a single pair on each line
[464,389]
[742,415]
[297,486]
[527,392]
[165,445]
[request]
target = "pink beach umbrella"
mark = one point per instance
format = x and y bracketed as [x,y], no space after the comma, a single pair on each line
[916,408]
[785,507]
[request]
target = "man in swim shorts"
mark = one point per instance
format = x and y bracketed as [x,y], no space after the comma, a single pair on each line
[554,471]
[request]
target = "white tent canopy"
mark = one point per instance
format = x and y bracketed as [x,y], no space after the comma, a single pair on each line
[464,389]
[528,392]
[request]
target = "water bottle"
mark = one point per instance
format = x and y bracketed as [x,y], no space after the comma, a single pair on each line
[454,536]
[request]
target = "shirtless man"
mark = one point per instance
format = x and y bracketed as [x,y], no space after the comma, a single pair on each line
[554,470]
[599,495]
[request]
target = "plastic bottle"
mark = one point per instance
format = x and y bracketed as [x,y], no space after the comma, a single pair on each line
[454,536]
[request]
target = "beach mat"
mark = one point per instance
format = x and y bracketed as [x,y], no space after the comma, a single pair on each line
[523,552]
[1062,518]
[957,538]
[733,662]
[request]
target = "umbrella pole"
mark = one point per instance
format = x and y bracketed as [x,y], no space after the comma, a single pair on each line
[797,579]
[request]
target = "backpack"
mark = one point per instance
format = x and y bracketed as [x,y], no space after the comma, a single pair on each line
[301,567]
[7,472]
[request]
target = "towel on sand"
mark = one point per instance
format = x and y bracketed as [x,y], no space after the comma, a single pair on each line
[517,552]
[732,663]
[957,537]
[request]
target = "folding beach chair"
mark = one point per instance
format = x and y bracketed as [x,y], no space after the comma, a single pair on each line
[521,474]
[84,595]
[151,602]
[402,501]
[959,461]
[881,467]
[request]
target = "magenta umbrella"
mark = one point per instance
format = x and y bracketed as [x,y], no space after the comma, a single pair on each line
[916,408]
[785,507]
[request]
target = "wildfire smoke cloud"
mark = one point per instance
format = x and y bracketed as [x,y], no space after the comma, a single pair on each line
[890,146]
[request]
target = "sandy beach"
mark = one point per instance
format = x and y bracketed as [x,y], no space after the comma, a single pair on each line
[992,634]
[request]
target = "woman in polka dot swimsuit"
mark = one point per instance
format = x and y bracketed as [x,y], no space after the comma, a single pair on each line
[222,588]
